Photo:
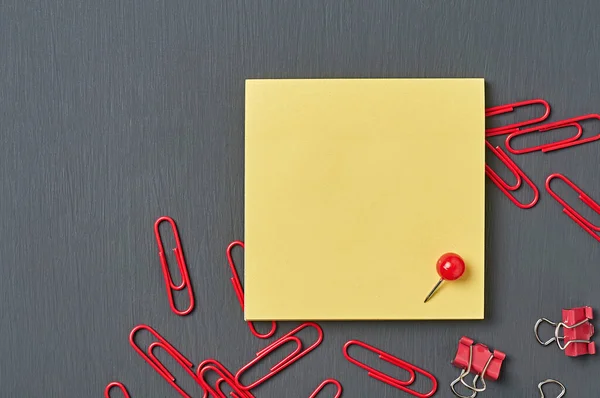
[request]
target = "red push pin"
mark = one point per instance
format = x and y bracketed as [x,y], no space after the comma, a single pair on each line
[449,267]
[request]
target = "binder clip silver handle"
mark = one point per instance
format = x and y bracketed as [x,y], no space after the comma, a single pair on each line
[556,337]
[548,381]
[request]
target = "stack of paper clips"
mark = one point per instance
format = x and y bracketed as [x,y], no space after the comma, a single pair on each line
[215,380]
[534,126]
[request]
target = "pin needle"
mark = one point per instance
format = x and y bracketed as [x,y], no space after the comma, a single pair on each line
[449,267]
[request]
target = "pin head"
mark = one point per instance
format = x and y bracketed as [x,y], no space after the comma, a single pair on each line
[450,266]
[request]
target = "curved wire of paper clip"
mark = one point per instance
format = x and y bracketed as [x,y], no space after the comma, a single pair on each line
[548,381]
[183,270]
[496,179]
[239,291]
[116,384]
[569,211]
[224,377]
[297,354]
[556,337]
[233,394]
[338,394]
[157,365]
[501,109]
[542,129]
[378,375]
[563,123]
[503,186]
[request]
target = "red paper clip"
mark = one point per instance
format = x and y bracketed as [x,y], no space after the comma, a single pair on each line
[478,360]
[501,109]
[378,375]
[239,291]
[185,276]
[578,332]
[116,384]
[569,211]
[297,354]
[225,376]
[541,129]
[336,383]
[518,173]
[573,141]
[157,365]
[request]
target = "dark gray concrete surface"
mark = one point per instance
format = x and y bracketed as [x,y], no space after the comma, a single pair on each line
[115,112]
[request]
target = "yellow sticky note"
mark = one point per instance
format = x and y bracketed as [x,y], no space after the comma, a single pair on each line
[354,189]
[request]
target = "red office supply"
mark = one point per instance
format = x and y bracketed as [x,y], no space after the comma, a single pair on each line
[378,375]
[504,187]
[297,354]
[157,365]
[116,384]
[225,376]
[478,360]
[573,141]
[336,383]
[501,109]
[569,211]
[449,267]
[578,332]
[541,129]
[239,291]
[510,165]
[183,270]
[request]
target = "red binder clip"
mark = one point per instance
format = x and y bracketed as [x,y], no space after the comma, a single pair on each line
[569,211]
[501,109]
[183,270]
[225,376]
[336,383]
[297,354]
[518,173]
[116,384]
[479,360]
[569,142]
[378,375]
[239,291]
[578,332]
[157,365]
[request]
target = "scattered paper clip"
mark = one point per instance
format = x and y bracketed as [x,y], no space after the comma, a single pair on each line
[185,276]
[157,365]
[389,380]
[225,376]
[239,291]
[501,109]
[578,332]
[297,354]
[336,383]
[543,147]
[552,381]
[569,211]
[518,173]
[479,360]
[573,141]
[116,384]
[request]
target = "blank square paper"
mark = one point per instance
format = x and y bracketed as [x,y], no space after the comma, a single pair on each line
[354,188]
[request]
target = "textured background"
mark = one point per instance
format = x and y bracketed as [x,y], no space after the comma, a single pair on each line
[115,112]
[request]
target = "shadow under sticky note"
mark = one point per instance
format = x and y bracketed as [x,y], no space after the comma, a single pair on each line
[354,189]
